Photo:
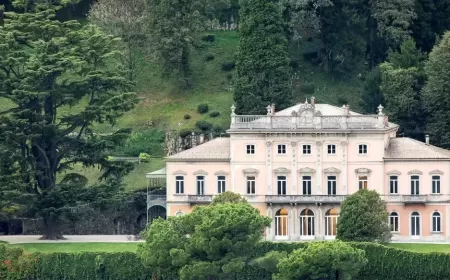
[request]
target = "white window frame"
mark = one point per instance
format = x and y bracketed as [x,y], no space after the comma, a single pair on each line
[361,149]
[416,184]
[306,148]
[362,180]
[282,185]
[333,219]
[417,220]
[332,187]
[309,220]
[281,149]
[250,184]
[284,219]
[200,184]
[437,218]
[307,187]
[396,223]
[250,149]
[179,184]
[221,183]
[436,184]
[393,181]
[331,149]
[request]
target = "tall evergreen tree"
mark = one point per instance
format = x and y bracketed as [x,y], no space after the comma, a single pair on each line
[436,92]
[263,62]
[372,96]
[61,78]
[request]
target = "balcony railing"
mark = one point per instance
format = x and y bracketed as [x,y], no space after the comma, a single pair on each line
[314,122]
[199,198]
[417,199]
[305,198]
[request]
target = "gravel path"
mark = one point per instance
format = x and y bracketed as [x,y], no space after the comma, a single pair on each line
[17,239]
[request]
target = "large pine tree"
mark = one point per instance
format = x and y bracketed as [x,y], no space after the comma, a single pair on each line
[263,62]
[60,78]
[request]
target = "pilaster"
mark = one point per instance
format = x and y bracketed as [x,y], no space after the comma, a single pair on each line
[319,174]
[269,167]
[344,179]
[271,229]
[294,177]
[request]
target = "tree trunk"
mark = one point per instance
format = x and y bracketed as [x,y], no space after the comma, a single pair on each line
[52,230]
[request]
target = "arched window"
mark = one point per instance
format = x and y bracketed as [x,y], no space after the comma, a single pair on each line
[436,223]
[307,223]
[393,221]
[331,217]
[281,223]
[415,224]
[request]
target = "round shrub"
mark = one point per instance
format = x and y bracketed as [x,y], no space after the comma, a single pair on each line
[209,38]
[184,132]
[203,108]
[204,125]
[214,114]
[187,117]
[228,66]
[209,57]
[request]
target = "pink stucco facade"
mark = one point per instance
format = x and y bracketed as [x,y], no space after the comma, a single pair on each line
[297,165]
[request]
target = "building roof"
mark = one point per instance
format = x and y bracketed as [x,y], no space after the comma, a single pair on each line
[325,110]
[407,148]
[157,174]
[217,149]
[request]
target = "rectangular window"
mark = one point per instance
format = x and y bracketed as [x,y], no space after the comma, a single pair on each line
[393,222]
[436,222]
[250,149]
[221,184]
[179,184]
[393,184]
[331,182]
[436,184]
[415,185]
[362,149]
[306,149]
[200,185]
[362,181]
[306,185]
[281,184]
[331,149]
[282,149]
[251,185]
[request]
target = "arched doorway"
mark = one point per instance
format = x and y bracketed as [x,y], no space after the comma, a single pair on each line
[307,224]
[281,224]
[331,218]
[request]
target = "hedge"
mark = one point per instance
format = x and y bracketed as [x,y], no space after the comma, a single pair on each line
[384,263]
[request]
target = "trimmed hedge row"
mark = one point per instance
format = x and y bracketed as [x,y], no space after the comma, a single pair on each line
[384,263]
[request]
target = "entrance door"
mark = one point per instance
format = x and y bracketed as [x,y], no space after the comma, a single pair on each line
[415,225]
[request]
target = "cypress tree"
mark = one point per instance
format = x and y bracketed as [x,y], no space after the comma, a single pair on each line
[263,62]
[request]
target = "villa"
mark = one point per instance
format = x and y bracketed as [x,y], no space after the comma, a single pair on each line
[297,166]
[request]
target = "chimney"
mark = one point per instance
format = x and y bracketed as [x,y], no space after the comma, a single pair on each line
[346,110]
[273,109]
[427,139]
[313,100]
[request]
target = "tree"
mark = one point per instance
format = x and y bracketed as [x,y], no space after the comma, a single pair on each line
[212,242]
[62,78]
[263,62]
[228,197]
[372,96]
[175,27]
[128,21]
[402,79]
[321,260]
[436,93]
[363,218]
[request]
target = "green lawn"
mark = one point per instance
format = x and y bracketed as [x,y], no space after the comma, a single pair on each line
[422,247]
[78,247]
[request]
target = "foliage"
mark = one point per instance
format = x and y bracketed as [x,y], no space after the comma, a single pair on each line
[204,125]
[187,117]
[212,241]
[263,61]
[129,22]
[209,38]
[363,217]
[209,57]
[372,96]
[322,260]
[402,79]
[214,114]
[144,157]
[45,77]
[228,66]
[437,92]
[149,141]
[228,197]
[203,108]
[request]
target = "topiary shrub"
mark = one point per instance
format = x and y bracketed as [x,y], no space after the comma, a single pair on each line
[228,66]
[209,57]
[203,108]
[209,38]
[204,125]
[187,117]
[214,114]
[144,157]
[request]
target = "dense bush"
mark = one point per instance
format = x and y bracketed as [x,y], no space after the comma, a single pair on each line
[209,38]
[184,132]
[204,125]
[187,117]
[149,141]
[214,114]
[203,108]
[209,57]
[228,66]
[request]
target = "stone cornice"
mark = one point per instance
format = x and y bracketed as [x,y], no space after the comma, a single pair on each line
[415,171]
[436,172]
[282,170]
[251,171]
[394,172]
[201,172]
[221,173]
[306,170]
[363,171]
[179,172]
[331,170]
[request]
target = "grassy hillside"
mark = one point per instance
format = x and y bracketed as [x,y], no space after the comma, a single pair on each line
[163,105]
